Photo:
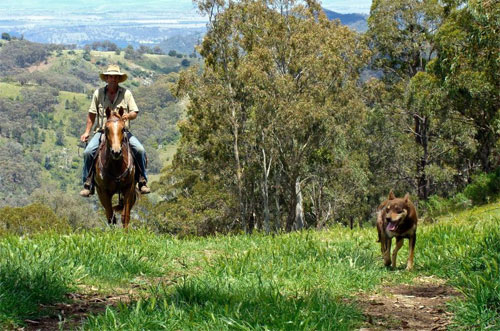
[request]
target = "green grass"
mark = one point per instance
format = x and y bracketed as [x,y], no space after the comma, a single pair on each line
[9,90]
[307,280]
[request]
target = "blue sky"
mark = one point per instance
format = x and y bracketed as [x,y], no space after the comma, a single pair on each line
[341,6]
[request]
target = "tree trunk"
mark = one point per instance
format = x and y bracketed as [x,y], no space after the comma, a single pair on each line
[299,210]
[422,139]
[292,204]
[277,222]
[265,190]
[239,173]
[486,139]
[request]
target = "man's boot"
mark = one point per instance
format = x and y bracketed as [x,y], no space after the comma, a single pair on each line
[88,190]
[143,187]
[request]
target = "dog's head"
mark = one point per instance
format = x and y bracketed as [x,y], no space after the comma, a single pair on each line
[396,211]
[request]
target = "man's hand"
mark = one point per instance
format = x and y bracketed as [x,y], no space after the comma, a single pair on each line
[129,116]
[84,137]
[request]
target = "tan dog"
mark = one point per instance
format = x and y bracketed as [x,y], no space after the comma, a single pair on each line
[396,217]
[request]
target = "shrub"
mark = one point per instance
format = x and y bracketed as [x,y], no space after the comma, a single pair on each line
[206,211]
[30,219]
[484,187]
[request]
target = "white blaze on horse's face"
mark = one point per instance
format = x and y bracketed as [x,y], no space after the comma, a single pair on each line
[115,137]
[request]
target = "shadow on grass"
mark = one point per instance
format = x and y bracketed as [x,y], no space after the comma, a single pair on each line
[24,289]
[199,304]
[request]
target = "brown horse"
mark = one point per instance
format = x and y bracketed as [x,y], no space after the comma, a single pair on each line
[115,170]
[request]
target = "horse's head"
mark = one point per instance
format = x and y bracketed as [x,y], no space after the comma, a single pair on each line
[115,132]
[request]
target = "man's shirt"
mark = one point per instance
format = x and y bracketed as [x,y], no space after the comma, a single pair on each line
[100,103]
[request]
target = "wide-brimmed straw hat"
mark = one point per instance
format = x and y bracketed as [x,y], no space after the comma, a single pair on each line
[114,70]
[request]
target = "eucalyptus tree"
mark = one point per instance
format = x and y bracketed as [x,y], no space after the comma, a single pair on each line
[468,67]
[403,34]
[279,91]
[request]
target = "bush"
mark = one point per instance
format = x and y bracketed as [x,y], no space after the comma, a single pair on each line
[207,210]
[484,187]
[30,219]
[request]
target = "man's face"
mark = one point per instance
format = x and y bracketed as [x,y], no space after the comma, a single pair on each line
[112,79]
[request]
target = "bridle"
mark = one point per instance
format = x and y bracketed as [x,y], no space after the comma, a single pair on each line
[125,141]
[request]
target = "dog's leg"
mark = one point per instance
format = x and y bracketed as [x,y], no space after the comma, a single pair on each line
[413,239]
[387,253]
[399,244]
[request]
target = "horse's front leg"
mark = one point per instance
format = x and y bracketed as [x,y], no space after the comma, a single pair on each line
[106,202]
[128,202]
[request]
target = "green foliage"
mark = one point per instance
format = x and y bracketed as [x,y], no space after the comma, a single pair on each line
[206,209]
[68,207]
[87,56]
[484,187]
[131,54]
[41,270]
[60,138]
[468,69]
[19,174]
[282,88]
[21,53]
[31,219]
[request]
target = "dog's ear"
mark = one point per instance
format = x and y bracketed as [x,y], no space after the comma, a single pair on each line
[391,195]
[407,197]
[108,112]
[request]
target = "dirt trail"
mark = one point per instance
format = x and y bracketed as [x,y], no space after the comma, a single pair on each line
[421,306]
[69,316]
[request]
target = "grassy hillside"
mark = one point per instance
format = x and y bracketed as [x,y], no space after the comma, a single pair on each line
[307,280]
[50,148]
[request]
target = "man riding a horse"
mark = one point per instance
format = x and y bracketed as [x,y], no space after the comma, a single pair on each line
[113,99]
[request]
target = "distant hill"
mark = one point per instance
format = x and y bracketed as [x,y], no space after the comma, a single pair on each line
[354,21]
[183,43]
[163,28]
